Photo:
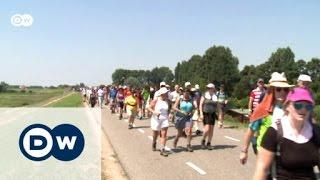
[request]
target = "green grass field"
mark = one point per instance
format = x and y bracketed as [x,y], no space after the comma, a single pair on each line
[74,100]
[34,98]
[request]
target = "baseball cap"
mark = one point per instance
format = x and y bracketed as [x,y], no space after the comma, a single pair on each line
[162,84]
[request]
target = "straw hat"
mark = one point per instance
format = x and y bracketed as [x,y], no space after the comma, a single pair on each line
[279,80]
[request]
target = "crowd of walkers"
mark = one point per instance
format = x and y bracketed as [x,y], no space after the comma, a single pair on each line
[282,128]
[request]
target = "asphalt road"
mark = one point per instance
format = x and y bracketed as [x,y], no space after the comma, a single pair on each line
[133,148]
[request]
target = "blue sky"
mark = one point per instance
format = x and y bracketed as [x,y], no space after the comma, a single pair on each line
[85,41]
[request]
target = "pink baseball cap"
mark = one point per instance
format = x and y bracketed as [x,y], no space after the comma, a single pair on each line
[300,94]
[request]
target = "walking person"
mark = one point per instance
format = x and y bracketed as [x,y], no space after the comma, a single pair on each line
[120,101]
[145,95]
[256,96]
[208,108]
[184,107]
[222,103]
[100,94]
[196,115]
[131,107]
[159,108]
[267,112]
[292,142]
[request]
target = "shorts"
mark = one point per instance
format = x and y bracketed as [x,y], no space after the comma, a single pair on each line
[121,104]
[131,112]
[182,122]
[157,124]
[209,119]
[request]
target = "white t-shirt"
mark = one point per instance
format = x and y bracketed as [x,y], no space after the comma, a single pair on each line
[100,92]
[162,107]
[174,95]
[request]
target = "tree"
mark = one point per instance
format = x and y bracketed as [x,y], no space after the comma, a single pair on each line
[220,66]
[133,82]
[3,86]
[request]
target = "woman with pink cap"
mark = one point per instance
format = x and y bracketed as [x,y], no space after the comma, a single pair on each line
[292,142]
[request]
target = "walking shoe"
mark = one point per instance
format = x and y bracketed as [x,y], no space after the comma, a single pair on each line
[140,118]
[209,146]
[203,144]
[163,153]
[189,149]
[120,117]
[130,126]
[154,145]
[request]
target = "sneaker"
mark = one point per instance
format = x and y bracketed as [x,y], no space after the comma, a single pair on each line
[163,153]
[154,145]
[130,126]
[189,149]
[209,147]
[140,118]
[203,144]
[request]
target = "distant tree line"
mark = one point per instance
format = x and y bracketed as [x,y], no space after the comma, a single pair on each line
[219,66]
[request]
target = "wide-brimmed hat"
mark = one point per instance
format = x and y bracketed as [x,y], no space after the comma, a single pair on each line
[300,94]
[210,85]
[162,90]
[279,80]
[304,77]
[197,86]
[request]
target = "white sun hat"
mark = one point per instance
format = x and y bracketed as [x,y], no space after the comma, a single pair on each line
[186,84]
[162,83]
[162,90]
[304,77]
[279,80]
[210,85]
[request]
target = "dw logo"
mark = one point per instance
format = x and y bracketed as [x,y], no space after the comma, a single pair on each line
[38,142]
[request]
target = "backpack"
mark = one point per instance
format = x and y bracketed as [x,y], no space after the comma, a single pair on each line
[209,106]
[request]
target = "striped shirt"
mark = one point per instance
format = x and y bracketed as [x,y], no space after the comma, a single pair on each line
[255,94]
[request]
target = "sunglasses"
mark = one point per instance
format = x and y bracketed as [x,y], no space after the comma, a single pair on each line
[278,89]
[299,106]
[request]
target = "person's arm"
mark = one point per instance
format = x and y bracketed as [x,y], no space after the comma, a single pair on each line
[200,108]
[246,143]
[250,105]
[151,108]
[264,161]
[176,106]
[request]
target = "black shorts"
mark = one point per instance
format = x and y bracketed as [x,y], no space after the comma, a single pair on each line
[209,119]
[120,104]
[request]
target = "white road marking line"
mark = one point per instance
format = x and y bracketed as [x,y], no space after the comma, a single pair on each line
[231,138]
[150,137]
[140,130]
[126,120]
[196,168]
